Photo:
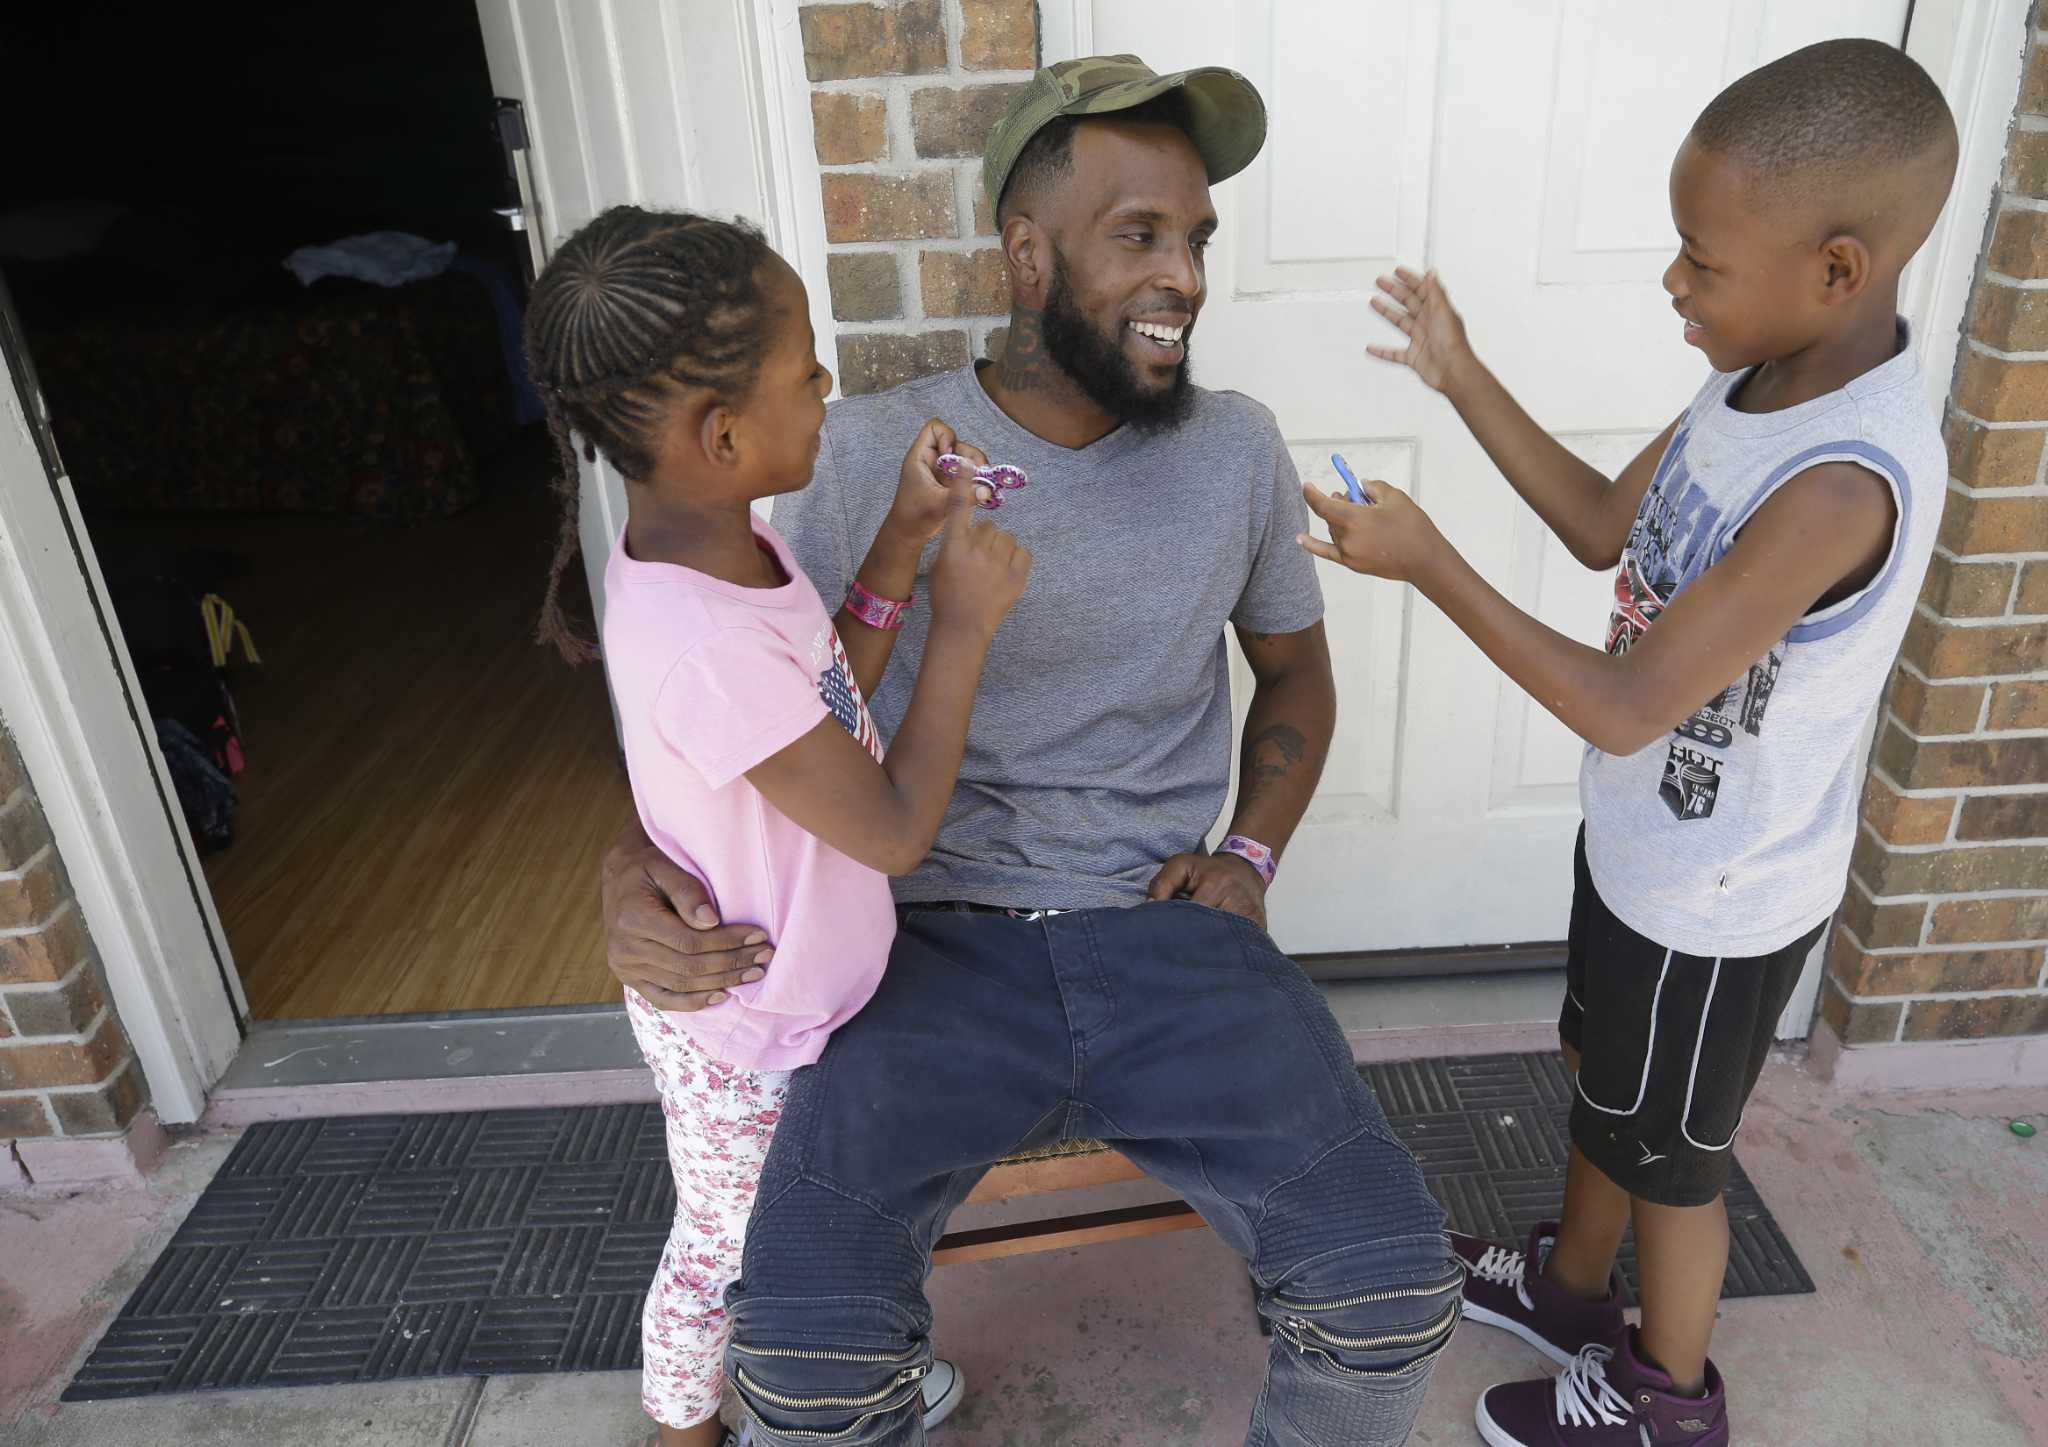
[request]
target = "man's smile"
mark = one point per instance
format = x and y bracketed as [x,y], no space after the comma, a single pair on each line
[1163,338]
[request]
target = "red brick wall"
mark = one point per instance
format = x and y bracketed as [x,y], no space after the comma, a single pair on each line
[1944,932]
[65,1064]
[903,94]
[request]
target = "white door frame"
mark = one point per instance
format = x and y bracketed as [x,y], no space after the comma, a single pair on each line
[68,691]
[69,694]
[67,687]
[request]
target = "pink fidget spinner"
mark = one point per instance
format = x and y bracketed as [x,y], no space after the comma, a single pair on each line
[1000,478]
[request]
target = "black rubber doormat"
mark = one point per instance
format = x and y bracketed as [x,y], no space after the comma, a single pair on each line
[1490,1132]
[377,1247]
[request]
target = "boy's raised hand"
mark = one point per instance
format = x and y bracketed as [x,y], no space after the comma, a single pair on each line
[919,510]
[1391,538]
[1436,348]
[980,571]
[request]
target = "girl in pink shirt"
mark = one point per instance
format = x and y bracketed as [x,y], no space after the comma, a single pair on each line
[681,348]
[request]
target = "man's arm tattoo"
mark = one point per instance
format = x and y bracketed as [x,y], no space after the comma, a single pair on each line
[1268,756]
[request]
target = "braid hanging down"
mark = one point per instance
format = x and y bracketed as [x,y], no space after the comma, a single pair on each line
[634,307]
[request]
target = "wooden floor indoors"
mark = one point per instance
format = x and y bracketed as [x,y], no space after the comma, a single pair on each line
[428,792]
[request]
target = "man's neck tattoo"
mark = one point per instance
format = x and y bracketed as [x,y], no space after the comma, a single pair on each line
[1025,365]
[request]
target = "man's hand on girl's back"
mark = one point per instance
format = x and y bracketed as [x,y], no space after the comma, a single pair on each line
[662,935]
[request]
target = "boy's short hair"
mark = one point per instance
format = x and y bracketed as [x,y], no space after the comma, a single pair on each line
[1827,114]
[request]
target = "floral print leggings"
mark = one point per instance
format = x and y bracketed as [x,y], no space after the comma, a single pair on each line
[720,1121]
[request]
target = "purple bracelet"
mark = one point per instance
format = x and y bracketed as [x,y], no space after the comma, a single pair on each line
[1257,855]
[884,613]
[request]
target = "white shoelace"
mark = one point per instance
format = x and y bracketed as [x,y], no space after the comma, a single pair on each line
[1584,1397]
[1503,1267]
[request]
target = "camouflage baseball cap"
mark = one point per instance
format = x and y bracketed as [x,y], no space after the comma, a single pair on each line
[1227,118]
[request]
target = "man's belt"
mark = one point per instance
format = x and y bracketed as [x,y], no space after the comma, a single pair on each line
[969,906]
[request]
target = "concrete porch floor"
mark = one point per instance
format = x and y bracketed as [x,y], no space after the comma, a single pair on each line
[1923,1220]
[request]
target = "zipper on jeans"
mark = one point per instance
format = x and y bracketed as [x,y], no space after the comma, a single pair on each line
[794,1434]
[798,1434]
[803,1404]
[1380,1340]
[1456,1278]
[1338,1367]
[803,1355]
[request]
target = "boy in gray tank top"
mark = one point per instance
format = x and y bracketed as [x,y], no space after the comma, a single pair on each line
[1769,548]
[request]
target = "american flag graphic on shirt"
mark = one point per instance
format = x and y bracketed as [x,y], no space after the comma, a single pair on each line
[836,686]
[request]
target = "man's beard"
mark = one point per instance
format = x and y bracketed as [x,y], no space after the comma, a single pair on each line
[1099,366]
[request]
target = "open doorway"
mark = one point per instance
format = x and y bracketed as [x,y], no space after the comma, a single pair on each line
[399,797]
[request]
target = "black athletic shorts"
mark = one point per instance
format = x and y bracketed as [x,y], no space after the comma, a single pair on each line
[1670,1047]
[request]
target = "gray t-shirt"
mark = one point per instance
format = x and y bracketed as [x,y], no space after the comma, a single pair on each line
[1732,836]
[1100,744]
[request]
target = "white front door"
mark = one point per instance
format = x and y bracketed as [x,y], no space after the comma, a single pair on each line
[697,105]
[1522,150]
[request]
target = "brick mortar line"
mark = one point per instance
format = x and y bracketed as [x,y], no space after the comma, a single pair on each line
[914,166]
[2029,124]
[1971,558]
[2018,425]
[966,182]
[1938,949]
[2016,202]
[2038,675]
[127,1062]
[1991,620]
[902,134]
[2000,354]
[21,872]
[19,797]
[959,244]
[83,1037]
[2032,841]
[2026,489]
[1964,895]
[954,22]
[2016,283]
[1973,791]
[47,987]
[951,79]
[2024,992]
[898,328]
[15,932]
[1980,736]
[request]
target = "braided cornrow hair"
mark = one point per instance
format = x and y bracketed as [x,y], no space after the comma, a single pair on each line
[633,306]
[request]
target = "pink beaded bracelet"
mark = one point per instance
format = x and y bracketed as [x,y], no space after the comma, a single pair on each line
[884,613]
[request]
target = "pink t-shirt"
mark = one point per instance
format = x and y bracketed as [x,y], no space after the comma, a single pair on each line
[711,679]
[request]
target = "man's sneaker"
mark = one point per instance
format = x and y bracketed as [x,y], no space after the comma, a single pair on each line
[943,1386]
[1506,1288]
[1607,1397]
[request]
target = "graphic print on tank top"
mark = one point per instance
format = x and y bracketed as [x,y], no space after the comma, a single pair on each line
[841,692]
[1670,545]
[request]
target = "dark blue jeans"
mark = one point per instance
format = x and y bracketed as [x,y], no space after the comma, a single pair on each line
[1176,1031]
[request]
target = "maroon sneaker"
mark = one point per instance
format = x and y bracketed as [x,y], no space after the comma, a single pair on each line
[1505,1288]
[1607,1397]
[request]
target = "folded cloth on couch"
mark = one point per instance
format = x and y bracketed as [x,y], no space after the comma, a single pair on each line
[388,258]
